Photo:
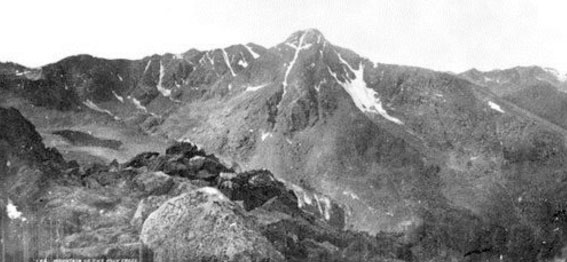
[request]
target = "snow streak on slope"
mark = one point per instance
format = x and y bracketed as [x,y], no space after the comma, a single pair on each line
[254,54]
[212,192]
[147,66]
[121,99]
[227,62]
[210,59]
[13,212]
[138,104]
[164,91]
[297,48]
[366,99]
[255,88]
[495,106]
[94,107]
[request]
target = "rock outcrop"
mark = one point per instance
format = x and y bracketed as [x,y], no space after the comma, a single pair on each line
[204,225]
[145,208]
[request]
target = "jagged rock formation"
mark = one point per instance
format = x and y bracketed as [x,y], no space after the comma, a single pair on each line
[114,211]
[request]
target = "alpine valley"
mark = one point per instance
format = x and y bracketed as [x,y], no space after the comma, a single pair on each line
[304,151]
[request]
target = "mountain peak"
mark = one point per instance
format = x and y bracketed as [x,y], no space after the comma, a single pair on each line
[309,36]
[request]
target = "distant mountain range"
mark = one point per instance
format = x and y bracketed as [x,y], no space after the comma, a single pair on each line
[468,165]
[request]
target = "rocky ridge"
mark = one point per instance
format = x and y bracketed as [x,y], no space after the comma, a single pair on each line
[122,210]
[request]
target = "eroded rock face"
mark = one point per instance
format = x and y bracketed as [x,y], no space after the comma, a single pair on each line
[204,224]
[154,183]
[254,188]
[22,138]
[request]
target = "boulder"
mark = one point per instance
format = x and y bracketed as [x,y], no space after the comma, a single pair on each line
[206,175]
[196,162]
[146,207]
[154,183]
[204,225]
[142,159]
[213,166]
[184,148]
[254,188]
[175,168]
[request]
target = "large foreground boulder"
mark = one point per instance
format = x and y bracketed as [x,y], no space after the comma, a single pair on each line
[204,225]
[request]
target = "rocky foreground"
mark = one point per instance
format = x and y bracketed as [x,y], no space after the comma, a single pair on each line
[184,205]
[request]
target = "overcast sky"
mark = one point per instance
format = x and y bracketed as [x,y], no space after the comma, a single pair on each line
[446,35]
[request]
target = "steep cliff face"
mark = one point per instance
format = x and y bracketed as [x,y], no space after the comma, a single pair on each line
[388,148]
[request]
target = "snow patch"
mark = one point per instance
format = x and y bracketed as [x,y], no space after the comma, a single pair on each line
[121,99]
[164,91]
[303,198]
[265,135]
[495,106]
[187,140]
[13,212]
[213,192]
[351,195]
[95,107]
[254,54]
[243,63]
[210,59]
[147,66]
[298,191]
[229,86]
[366,99]
[318,86]
[120,78]
[138,104]
[227,62]
[298,49]
[324,205]
[255,88]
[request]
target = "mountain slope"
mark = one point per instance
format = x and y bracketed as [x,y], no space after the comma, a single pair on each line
[540,91]
[436,157]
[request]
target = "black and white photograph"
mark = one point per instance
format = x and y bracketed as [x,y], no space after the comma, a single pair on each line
[283,130]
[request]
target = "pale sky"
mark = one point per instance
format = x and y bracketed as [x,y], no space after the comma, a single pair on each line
[445,35]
